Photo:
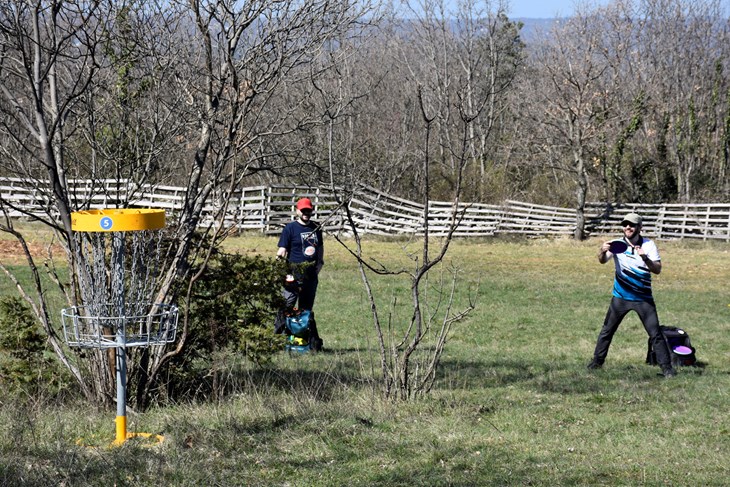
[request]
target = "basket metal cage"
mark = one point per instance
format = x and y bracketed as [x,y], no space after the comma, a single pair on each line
[99,328]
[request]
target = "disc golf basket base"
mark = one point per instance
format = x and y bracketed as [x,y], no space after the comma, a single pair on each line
[116,278]
[142,439]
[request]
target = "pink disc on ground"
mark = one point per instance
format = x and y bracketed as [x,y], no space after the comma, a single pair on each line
[682,350]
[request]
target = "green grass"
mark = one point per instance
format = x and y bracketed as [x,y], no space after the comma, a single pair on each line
[513,404]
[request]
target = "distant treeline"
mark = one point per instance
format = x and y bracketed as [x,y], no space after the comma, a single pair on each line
[626,102]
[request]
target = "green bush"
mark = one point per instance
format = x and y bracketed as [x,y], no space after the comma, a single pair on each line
[25,361]
[232,312]
[236,302]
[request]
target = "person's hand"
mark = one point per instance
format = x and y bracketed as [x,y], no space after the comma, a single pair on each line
[640,252]
[603,252]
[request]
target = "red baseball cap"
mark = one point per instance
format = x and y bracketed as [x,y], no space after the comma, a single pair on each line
[304,203]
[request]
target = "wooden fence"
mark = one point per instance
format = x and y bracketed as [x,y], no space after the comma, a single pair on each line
[268,208]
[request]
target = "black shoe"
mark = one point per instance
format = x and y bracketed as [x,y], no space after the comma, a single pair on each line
[317,344]
[669,372]
[595,364]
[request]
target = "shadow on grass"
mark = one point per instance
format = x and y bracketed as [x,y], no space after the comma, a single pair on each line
[324,376]
[543,376]
[305,383]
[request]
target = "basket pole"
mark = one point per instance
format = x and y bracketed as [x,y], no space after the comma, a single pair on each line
[121,355]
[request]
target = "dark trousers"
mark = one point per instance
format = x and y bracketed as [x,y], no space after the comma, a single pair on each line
[648,315]
[305,294]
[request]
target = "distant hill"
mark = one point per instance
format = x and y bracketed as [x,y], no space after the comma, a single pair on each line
[534,25]
[530,25]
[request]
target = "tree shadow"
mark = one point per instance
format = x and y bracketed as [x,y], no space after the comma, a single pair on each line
[561,377]
[318,384]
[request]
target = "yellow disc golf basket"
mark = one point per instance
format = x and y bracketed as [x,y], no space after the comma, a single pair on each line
[118,254]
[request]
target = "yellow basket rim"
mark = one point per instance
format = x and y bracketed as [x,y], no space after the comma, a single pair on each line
[117,220]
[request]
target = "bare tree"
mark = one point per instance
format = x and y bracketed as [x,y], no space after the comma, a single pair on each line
[410,353]
[572,99]
[683,52]
[635,101]
[446,102]
[129,84]
[465,54]
[48,63]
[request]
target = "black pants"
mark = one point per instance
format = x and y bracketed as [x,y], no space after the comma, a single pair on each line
[648,315]
[302,295]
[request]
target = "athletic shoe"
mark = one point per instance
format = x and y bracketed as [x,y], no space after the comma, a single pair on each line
[595,364]
[669,372]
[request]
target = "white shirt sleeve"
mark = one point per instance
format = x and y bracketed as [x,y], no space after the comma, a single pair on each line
[651,250]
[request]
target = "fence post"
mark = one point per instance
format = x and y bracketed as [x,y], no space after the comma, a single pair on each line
[660,222]
[267,209]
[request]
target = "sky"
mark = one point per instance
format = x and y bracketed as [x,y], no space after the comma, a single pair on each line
[544,9]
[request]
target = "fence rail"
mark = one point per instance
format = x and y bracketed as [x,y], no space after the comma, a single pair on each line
[268,208]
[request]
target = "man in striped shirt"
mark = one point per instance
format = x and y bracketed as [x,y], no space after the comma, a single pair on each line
[636,258]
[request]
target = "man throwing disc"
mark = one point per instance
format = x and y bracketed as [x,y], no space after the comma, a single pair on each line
[636,258]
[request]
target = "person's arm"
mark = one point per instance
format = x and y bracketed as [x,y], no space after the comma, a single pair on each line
[320,253]
[604,255]
[283,250]
[654,266]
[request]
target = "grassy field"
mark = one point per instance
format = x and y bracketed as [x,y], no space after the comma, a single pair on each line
[513,405]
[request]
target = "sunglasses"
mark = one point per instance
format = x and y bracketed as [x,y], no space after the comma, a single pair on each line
[627,224]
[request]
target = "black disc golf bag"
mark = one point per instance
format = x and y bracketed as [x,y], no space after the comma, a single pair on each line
[680,347]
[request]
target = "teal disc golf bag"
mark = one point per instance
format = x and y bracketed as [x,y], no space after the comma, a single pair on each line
[298,323]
